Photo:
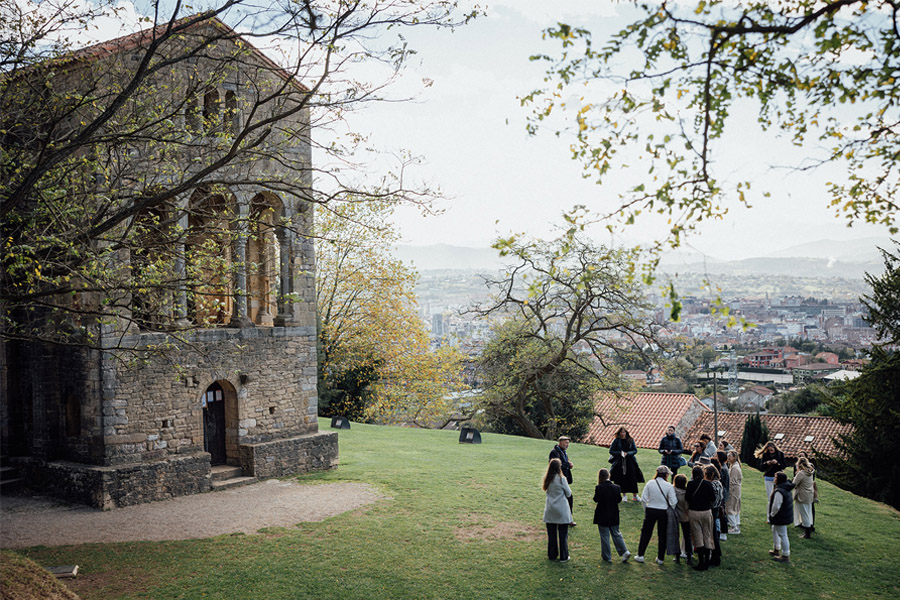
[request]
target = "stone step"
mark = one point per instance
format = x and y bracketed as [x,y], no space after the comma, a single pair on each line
[232,483]
[223,472]
[7,472]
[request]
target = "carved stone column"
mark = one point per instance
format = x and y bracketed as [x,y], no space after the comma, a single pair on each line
[181,302]
[241,315]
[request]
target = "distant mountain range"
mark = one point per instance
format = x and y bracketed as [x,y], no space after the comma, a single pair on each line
[850,259]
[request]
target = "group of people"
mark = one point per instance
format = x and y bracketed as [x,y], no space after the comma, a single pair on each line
[691,516]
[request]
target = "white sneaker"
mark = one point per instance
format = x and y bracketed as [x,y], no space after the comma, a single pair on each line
[660,562]
[723,537]
[639,559]
[735,532]
[626,556]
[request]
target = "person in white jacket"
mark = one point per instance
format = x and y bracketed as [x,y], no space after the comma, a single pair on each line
[658,497]
[557,514]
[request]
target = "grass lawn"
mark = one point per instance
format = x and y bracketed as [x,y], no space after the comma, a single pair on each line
[464,521]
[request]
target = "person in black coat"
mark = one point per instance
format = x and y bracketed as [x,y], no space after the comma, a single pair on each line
[607,495]
[625,471]
[781,514]
[559,451]
[701,497]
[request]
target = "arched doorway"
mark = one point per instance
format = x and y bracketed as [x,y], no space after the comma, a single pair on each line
[214,424]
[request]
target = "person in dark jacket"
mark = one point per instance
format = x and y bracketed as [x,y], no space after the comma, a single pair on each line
[701,497]
[781,514]
[725,477]
[607,495]
[559,451]
[625,471]
[671,449]
[771,460]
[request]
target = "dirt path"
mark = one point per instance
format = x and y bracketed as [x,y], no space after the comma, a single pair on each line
[31,521]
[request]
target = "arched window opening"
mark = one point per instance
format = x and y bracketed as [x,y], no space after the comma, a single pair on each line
[73,415]
[192,114]
[209,259]
[211,116]
[153,267]
[231,117]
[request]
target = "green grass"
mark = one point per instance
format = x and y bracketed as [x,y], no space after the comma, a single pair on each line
[464,521]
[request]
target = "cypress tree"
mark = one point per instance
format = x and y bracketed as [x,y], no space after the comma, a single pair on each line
[756,433]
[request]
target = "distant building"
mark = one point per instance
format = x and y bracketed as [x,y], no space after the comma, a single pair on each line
[791,433]
[437,325]
[645,415]
[806,373]
[828,357]
[755,398]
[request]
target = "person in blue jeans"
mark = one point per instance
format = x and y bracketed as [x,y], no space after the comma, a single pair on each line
[607,495]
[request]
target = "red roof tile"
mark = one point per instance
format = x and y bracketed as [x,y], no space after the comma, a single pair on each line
[645,415]
[795,428]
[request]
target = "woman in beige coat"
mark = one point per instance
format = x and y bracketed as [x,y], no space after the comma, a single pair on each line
[733,504]
[804,495]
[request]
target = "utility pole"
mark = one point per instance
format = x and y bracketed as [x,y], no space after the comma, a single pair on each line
[715,408]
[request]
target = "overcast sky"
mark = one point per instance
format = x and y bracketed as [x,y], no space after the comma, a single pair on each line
[471,128]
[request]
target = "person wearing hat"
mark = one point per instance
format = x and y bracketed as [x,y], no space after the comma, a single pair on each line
[559,451]
[658,497]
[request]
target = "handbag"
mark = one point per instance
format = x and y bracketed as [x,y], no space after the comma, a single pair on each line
[681,462]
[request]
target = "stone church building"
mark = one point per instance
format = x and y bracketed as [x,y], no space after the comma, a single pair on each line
[192,378]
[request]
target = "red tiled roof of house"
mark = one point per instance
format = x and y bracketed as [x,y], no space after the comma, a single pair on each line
[646,415]
[818,366]
[761,390]
[795,430]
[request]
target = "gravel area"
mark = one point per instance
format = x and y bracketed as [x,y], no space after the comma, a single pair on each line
[32,521]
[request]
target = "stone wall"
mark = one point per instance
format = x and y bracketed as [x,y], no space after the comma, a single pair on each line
[289,456]
[152,409]
[124,485]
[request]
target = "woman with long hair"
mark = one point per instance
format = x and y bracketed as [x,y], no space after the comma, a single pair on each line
[804,494]
[771,461]
[557,514]
[625,471]
[696,453]
[681,513]
[733,504]
[700,498]
[711,474]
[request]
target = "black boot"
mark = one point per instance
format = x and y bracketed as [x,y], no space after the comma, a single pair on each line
[702,563]
[690,559]
[716,558]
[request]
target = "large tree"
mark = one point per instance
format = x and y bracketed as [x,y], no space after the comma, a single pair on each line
[375,359]
[660,94]
[576,308]
[101,146]
[871,403]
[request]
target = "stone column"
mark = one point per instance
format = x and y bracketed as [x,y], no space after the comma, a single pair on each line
[181,302]
[240,317]
[284,264]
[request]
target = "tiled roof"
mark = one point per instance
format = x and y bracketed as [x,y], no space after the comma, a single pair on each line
[645,415]
[817,367]
[761,390]
[140,39]
[796,428]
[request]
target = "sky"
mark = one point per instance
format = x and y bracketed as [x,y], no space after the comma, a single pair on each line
[470,127]
[465,120]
